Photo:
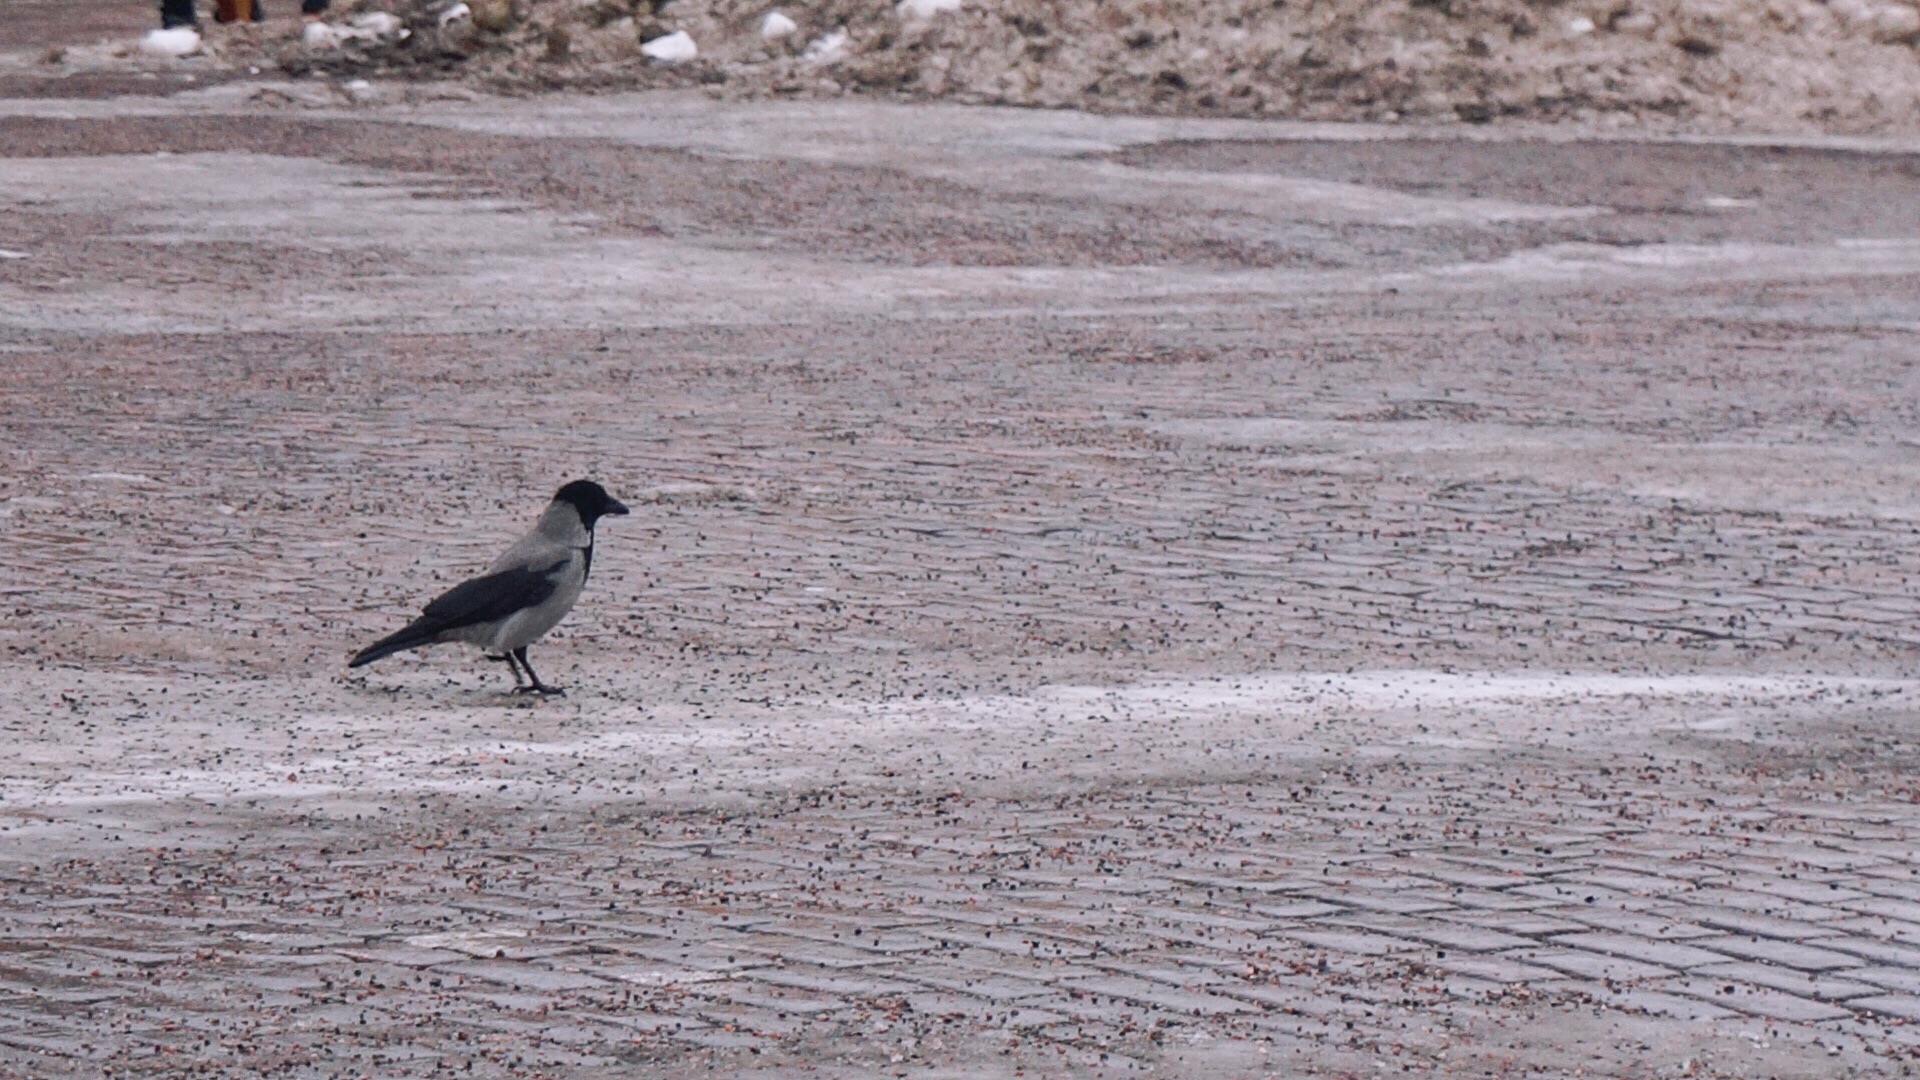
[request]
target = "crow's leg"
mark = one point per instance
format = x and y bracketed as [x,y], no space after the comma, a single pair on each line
[537,687]
[512,665]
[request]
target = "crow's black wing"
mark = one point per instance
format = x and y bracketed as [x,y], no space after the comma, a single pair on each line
[482,600]
[493,597]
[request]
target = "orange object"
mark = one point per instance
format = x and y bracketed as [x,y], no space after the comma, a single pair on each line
[233,11]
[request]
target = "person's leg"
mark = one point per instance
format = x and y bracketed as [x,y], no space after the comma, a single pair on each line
[313,7]
[177,13]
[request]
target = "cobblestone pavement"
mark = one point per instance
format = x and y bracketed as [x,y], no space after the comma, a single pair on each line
[1104,596]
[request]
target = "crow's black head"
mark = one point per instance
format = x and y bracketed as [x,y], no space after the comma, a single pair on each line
[590,500]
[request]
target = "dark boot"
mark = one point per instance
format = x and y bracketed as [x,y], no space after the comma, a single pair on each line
[177,13]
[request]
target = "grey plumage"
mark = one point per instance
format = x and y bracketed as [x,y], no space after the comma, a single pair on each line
[524,594]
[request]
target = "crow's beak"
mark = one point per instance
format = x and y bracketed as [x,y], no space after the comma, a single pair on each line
[616,507]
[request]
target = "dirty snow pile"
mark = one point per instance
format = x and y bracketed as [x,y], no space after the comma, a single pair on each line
[1834,65]
[172,42]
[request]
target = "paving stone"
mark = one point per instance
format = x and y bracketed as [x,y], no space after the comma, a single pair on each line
[1238,885]
[1805,890]
[1880,928]
[1446,935]
[298,942]
[1894,910]
[1883,952]
[689,955]
[1678,1006]
[1492,901]
[989,987]
[132,957]
[1666,954]
[53,1042]
[1191,976]
[649,1023]
[654,974]
[1497,969]
[1196,918]
[711,1038]
[1392,903]
[508,1000]
[1819,987]
[523,975]
[1783,953]
[1763,1001]
[1158,995]
[1024,1020]
[1650,923]
[1757,925]
[1896,880]
[1905,980]
[1632,884]
[780,946]
[1288,1000]
[1632,861]
[1453,874]
[759,1022]
[979,1010]
[403,955]
[1298,909]
[1762,904]
[1903,1006]
[862,985]
[1572,892]
[1588,965]
[1355,942]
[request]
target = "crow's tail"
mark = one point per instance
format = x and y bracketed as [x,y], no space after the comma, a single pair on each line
[412,636]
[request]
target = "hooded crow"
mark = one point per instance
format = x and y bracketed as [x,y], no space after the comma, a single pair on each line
[524,594]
